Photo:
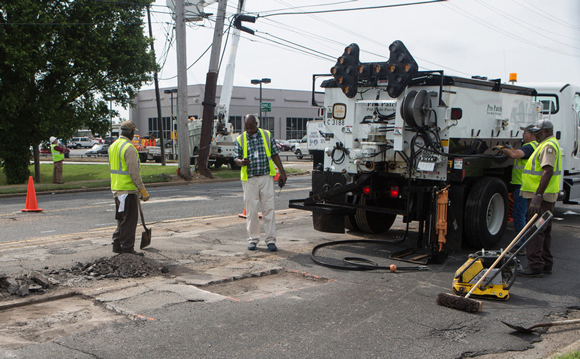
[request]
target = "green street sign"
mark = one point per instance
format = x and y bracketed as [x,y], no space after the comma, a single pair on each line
[266,107]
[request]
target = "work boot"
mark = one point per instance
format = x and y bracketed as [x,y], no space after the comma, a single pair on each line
[272,247]
[529,272]
[252,247]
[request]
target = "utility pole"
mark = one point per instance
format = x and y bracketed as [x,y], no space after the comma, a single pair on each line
[159,119]
[182,131]
[210,92]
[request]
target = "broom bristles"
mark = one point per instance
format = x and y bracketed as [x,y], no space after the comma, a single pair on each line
[459,303]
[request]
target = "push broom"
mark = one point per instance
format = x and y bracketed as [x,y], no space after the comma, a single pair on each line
[467,304]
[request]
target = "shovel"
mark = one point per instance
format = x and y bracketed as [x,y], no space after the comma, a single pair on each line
[146,235]
[530,330]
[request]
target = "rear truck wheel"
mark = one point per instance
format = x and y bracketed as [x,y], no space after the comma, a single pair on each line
[299,154]
[486,213]
[349,219]
[143,157]
[218,163]
[373,222]
[157,159]
[233,165]
[350,222]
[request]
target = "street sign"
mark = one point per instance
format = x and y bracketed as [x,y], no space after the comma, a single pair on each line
[266,107]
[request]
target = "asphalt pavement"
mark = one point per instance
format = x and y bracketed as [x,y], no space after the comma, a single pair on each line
[219,300]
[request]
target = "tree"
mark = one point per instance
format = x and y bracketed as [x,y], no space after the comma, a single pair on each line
[60,63]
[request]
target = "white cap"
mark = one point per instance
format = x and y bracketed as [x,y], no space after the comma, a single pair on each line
[52,139]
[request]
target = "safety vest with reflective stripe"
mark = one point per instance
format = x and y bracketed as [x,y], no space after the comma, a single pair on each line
[520,164]
[244,143]
[56,155]
[120,177]
[533,171]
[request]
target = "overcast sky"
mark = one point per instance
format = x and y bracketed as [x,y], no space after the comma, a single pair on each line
[537,39]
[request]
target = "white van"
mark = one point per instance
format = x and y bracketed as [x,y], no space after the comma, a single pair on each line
[78,142]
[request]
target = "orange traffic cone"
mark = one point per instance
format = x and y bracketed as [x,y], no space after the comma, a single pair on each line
[31,204]
[243,215]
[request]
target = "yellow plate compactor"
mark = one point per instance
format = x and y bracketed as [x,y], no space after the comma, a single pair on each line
[497,283]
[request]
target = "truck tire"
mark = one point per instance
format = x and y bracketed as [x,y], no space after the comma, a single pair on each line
[373,222]
[157,159]
[486,212]
[299,154]
[350,222]
[233,165]
[143,157]
[350,219]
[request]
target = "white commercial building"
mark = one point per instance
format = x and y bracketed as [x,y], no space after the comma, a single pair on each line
[290,109]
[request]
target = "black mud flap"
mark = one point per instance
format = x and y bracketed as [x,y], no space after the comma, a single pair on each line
[325,218]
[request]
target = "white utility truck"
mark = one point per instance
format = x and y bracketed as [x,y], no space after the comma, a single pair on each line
[419,144]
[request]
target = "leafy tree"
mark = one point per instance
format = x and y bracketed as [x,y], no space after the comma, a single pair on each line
[60,63]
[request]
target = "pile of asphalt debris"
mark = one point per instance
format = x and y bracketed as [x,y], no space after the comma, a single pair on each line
[119,266]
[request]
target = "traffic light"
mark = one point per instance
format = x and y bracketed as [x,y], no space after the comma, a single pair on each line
[346,70]
[399,69]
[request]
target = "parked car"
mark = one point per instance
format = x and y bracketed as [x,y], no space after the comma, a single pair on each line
[284,145]
[110,140]
[293,143]
[98,150]
[78,142]
[301,148]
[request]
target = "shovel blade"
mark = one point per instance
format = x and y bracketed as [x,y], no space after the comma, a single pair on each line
[145,238]
[518,328]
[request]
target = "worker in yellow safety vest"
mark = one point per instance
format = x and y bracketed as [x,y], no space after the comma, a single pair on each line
[257,155]
[520,156]
[541,185]
[57,152]
[127,187]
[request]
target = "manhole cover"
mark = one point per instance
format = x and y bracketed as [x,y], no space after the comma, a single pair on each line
[49,320]
[259,287]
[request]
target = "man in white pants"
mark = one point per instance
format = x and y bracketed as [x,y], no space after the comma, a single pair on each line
[256,154]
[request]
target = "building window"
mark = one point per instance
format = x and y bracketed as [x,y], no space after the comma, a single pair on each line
[237,123]
[154,130]
[296,127]
[268,124]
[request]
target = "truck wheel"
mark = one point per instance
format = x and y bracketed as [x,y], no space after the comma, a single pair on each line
[350,219]
[233,165]
[373,222]
[143,157]
[157,159]
[485,213]
[299,154]
[350,222]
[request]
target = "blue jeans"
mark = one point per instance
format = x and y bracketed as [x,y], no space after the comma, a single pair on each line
[520,214]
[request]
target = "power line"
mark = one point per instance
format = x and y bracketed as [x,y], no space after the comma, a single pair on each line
[351,9]
[547,15]
[531,28]
[503,32]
